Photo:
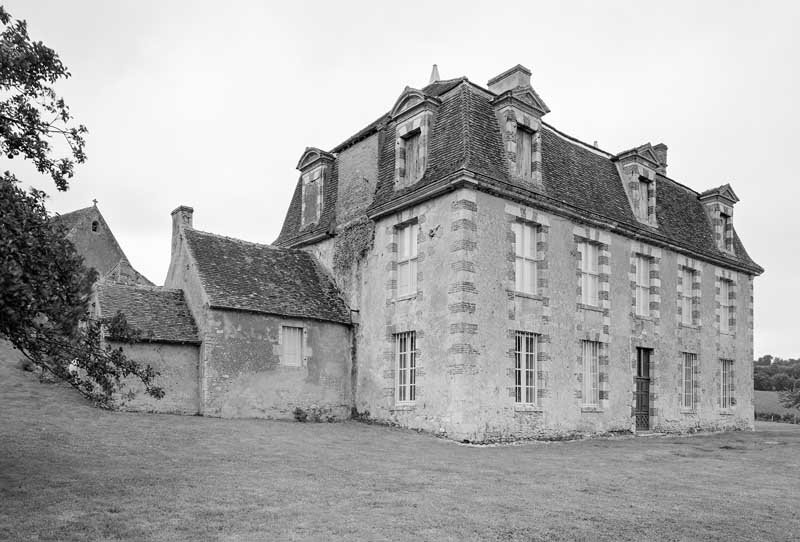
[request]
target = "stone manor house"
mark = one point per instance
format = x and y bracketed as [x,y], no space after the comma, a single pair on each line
[462,267]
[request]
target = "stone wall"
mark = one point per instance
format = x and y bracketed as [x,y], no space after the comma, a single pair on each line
[178,365]
[466,312]
[244,376]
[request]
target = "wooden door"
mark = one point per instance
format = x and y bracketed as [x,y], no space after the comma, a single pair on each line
[642,382]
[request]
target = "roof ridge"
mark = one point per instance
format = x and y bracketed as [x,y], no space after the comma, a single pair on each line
[153,288]
[576,140]
[465,126]
[235,240]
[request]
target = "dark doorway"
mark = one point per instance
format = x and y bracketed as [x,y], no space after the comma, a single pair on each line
[642,382]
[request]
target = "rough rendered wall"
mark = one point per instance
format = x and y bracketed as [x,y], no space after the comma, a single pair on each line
[245,378]
[178,365]
[99,249]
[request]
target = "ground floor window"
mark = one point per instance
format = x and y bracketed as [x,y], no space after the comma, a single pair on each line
[687,380]
[591,373]
[405,346]
[726,393]
[292,351]
[526,346]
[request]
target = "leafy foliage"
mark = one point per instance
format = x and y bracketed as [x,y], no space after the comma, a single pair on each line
[773,373]
[44,287]
[31,113]
[44,295]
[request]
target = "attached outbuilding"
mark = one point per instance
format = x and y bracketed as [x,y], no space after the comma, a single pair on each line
[275,332]
[169,343]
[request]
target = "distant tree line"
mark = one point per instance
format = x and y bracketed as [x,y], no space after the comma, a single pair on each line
[775,374]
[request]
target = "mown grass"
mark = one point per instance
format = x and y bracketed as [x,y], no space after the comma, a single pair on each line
[768,402]
[71,472]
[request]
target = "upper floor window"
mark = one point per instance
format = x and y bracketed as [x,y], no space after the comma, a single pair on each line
[525,257]
[312,201]
[726,305]
[590,276]
[525,367]
[413,159]
[727,232]
[524,157]
[405,347]
[642,286]
[407,259]
[687,295]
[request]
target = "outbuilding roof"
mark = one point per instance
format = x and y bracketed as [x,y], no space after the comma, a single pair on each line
[240,275]
[160,314]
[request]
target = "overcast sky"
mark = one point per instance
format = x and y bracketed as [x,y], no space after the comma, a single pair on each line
[210,104]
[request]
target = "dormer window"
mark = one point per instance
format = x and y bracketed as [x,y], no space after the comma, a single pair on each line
[312,196]
[314,166]
[719,204]
[643,200]
[412,115]
[524,156]
[727,232]
[413,161]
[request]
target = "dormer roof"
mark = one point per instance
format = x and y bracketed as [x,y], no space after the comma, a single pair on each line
[642,153]
[724,192]
[311,156]
[412,98]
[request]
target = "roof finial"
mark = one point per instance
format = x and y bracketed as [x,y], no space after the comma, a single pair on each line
[95,202]
[434,74]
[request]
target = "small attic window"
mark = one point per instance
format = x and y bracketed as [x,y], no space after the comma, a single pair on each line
[95,224]
[312,196]
[413,160]
[727,232]
[643,200]
[524,151]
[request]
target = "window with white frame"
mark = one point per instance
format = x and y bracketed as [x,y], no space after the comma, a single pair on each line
[524,151]
[642,285]
[642,204]
[726,384]
[726,305]
[292,346]
[525,257]
[687,380]
[687,296]
[591,373]
[590,278]
[407,259]
[405,347]
[413,160]
[526,346]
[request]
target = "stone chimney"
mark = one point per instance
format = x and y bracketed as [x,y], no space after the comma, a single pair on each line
[661,154]
[434,75]
[517,77]
[181,218]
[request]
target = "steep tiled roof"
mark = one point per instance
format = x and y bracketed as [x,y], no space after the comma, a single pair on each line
[159,313]
[73,218]
[291,231]
[261,278]
[466,136]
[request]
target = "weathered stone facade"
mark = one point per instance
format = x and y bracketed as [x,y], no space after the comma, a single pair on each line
[465,310]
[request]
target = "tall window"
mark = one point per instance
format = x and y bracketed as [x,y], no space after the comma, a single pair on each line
[312,197]
[591,373]
[727,233]
[644,199]
[405,347]
[413,163]
[590,279]
[525,382]
[687,380]
[726,392]
[726,305]
[524,151]
[525,257]
[687,296]
[292,339]
[642,286]
[407,259]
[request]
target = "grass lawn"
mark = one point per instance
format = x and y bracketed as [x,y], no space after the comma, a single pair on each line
[71,472]
[768,402]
